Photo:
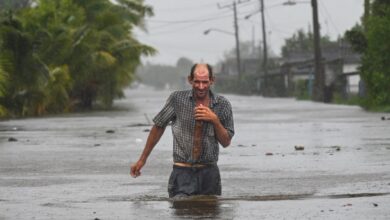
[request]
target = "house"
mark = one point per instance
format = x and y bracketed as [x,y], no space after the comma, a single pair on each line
[340,69]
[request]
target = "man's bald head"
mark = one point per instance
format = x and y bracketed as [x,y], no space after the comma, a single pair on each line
[201,68]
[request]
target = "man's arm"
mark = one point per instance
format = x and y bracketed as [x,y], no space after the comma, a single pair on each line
[154,136]
[204,113]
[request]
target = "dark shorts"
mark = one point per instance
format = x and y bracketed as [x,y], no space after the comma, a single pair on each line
[188,181]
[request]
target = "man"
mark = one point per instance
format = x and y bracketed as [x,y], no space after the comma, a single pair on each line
[200,120]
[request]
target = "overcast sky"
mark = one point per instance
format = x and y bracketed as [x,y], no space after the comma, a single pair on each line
[177,28]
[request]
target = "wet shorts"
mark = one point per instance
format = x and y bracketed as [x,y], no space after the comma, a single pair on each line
[188,181]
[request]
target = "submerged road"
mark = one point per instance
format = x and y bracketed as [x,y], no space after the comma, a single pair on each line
[288,160]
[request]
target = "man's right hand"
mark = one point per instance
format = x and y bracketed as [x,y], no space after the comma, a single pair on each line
[135,169]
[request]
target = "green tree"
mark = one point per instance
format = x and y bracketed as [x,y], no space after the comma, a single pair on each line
[109,49]
[30,47]
[3,80]
[14,4]
[302,42]
[376,57]
[357,38]
[26,74]
[371,40]
[61,53]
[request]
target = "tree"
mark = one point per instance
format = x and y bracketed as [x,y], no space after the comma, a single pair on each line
[375,69]
[3,75]
[357,38]
[302,42]
[14,4]
[371,40]
[247,50]
[109,48]
[66,52]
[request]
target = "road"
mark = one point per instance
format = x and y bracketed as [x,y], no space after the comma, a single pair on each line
[76,166]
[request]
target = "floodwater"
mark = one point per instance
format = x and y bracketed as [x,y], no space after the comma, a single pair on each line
[76,166]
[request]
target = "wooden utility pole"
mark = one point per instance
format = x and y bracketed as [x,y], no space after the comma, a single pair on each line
[265,53]
[236,34]
[237,40]
[366,14]
[319,81]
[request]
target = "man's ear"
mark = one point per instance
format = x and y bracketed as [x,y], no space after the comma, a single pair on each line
[212,80]
[189,80]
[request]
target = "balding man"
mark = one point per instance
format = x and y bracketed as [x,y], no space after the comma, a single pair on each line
[201,120]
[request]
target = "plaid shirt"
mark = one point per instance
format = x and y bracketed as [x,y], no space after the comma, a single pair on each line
[179,109]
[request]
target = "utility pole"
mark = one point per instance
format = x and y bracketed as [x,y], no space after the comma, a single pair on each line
[236,34]
[366,14]
[319,82]
[237,40]
[265,53]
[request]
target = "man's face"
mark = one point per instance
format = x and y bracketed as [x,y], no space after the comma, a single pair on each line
[201,82]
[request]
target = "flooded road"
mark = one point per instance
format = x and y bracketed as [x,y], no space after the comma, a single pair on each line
[288,160]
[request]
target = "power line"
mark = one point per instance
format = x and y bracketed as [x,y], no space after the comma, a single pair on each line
[184,21]
[330,17]
[187,8]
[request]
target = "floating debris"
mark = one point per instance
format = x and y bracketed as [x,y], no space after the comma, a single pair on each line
[139,125]
[12,139]
[146,130]
[299,147]
[337,148]
[375,205]
[110,131]
[269,154]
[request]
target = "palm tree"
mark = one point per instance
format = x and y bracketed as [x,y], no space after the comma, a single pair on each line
[66,52]
[109,48]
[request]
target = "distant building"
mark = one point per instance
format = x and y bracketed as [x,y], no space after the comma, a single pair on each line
[340,67]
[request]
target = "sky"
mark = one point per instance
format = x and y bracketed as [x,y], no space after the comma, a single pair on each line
[177,27]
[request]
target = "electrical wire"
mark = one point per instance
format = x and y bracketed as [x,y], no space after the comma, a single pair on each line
[330,17]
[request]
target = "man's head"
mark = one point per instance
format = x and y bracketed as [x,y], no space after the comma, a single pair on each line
[201,78]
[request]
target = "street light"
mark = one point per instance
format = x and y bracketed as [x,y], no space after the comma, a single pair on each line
[291,3]
[206,32]
[237,46]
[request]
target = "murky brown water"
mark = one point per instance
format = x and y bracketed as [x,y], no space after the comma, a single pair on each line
[76,166]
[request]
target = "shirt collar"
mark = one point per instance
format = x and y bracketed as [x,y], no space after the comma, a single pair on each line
[213,97]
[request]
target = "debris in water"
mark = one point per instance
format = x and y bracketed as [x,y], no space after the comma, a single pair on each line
[269,154]
[110,131]
[337,148]
[375,205]
[299,147]
[138,125]
[12,139]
